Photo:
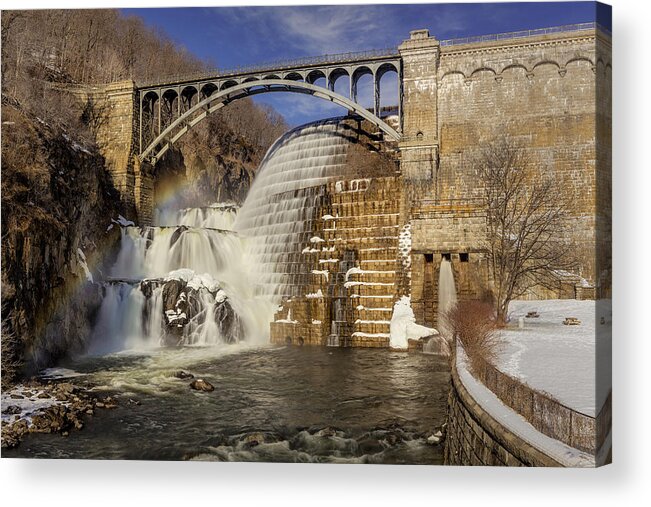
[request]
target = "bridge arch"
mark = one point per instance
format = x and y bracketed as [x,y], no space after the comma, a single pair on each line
[294,76]
[171,134]
[228,84]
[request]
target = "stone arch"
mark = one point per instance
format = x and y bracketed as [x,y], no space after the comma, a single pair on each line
[156,148]
[481,70]
[228,84]
[189,96]
[148,118]
[294,76]
[579,60]
[384,70]
[169,107]
[546,62]
[513,67]
[334,76]
[207,90]
[357,74]
[451,73]
[313,76]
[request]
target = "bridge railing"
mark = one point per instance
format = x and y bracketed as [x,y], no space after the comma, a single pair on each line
[362,55]
[524,33]
[280,65]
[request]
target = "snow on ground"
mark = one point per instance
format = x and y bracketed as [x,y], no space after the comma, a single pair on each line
[25,403]
[514,422]
[558,359]
[403,325]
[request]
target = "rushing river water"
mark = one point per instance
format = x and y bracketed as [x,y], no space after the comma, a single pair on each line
[284,404]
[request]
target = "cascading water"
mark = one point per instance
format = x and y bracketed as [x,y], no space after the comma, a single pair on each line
[183,284]
[447,297]
[289,187]
[209,275]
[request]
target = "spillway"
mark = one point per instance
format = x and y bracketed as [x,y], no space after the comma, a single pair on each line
[279,210]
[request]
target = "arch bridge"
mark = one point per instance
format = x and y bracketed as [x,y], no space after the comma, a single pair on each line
[170,108]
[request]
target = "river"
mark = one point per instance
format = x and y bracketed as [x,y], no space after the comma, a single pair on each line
[283,404]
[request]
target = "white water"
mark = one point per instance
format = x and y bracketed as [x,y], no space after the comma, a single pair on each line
[287,191]
[253,257]
[218,216]
[203,252]
[447,297]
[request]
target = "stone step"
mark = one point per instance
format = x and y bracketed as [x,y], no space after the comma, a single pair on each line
[374,341]
[380,253]
[381,301]
[361,232]
[373,276]
[370,290]
[371,327]
[376,220]
[367,208]
[366,242]
[382,313]
[378,195]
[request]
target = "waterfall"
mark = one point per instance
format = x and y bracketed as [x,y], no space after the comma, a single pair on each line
[183,283]
[447,297]
[289,187]
[204,276]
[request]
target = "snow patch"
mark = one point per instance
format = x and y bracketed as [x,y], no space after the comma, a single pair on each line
[403,325]
[564,454]
[123,222]
[370,284]
[84,266]
[321,272]
[404,246]
[314,295]
[288,320]
[558,359]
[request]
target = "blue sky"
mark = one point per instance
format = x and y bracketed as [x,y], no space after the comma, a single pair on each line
[232,36]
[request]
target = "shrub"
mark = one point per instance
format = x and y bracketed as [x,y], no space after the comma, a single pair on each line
[473,323]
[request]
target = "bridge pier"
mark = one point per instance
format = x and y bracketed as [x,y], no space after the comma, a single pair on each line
[116,137]
[419,143]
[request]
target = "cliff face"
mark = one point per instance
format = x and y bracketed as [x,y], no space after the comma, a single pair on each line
[213,163]
[57,204]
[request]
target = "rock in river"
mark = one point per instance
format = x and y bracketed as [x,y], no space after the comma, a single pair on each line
[202,385]
[183,374]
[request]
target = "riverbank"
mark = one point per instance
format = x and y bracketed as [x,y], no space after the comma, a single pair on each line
[47,406]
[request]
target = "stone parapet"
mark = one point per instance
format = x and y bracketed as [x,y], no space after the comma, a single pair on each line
[475,438]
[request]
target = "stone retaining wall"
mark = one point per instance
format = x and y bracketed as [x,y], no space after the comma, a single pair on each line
[474,437]
[546,414]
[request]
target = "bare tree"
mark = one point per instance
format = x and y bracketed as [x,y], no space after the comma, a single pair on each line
[527,213]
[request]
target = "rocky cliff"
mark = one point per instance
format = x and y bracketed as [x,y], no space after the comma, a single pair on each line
[213,163]
[57,205]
